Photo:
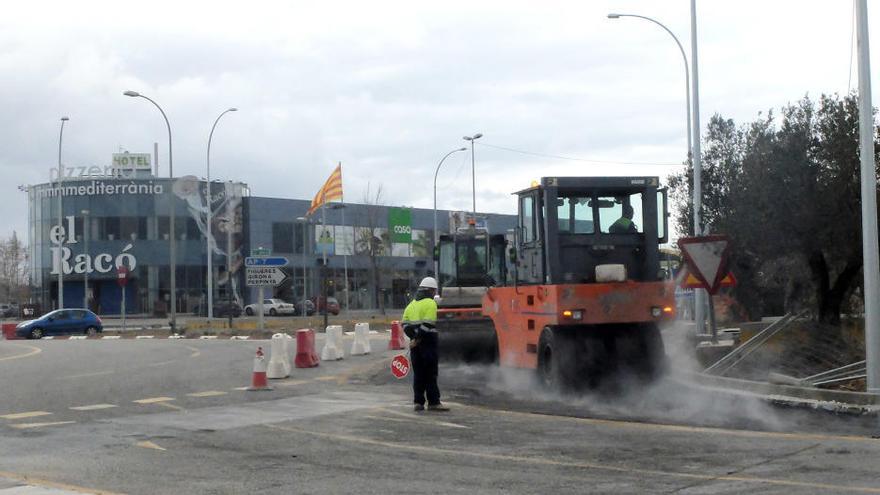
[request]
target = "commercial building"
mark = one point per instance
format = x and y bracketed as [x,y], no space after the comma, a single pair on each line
[94,219]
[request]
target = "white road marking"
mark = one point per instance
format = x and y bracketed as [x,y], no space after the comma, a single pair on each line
[22,415]
[78,337]
[207,393]
[239,337]
[24,426]
[141,337]
[49,337]
[207,337]
[93,407]
[153,400]
[84,375]
[149,445]
[111,337]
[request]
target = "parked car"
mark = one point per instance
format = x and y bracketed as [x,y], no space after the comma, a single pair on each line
[61,322]
[310,308]
[8,310]
[271,307]
[222,309]
[332,305]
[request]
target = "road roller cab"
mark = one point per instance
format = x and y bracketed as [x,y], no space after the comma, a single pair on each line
[586,292]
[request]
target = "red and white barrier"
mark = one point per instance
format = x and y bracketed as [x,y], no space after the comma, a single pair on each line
[279,367]
[332,350]
[361,344]
[306,356]
[259,381]
[398,339]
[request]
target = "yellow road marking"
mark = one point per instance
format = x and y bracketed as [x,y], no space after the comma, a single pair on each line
[33,350]
[153,400]
[576,464]
[207,393]
[325,378]
[240,388]
[31,480]
[422,418]
[170,406]
[619,423]
[85,375]
[23,426]
[149,445]
[23,415]
[418,420]
[93,407]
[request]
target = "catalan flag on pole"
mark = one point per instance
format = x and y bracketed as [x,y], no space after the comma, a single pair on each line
[331,190]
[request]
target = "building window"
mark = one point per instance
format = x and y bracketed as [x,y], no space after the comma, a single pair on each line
[282,237]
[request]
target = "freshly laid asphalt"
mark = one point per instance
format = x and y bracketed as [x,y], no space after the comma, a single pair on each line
[169,416]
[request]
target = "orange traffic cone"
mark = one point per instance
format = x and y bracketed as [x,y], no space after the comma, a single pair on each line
[259,380]
[397,341]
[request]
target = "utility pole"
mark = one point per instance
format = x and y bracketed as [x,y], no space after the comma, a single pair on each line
[871,260]
[699,294]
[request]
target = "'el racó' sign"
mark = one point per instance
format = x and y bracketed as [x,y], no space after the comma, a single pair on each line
[83,262]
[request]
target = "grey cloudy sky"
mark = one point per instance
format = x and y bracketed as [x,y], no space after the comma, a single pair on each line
[387,88]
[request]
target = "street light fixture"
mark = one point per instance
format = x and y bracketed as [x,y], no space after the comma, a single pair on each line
[208,231]
[473,170]
[437,171]
[60,212]
[171,214]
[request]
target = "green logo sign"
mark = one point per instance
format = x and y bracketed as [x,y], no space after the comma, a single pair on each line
[400,225]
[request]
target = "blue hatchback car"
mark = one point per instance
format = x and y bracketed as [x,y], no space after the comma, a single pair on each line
[61,322]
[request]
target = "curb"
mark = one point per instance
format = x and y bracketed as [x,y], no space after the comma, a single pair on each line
[841,401]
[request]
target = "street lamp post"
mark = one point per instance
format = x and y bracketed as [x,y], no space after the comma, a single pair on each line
[305,231]
[870,256]
[208,231]
[60,214]
[473,170]
[437,171]
[173,241]
[693,138]
[86,228]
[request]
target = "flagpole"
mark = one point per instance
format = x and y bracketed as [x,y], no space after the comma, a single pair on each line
[344,253]
[324,264]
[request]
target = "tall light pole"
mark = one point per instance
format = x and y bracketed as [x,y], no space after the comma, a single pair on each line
[687,77]
[871,260]
[60,213]
[473,170]
[305,231]
[208,231]
[173,241]
[699,294]
[86,228]
[437,171]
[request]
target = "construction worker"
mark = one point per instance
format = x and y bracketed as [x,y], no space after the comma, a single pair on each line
[419,324]
[624,224]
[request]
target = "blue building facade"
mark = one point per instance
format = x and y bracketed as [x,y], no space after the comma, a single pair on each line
[84,227]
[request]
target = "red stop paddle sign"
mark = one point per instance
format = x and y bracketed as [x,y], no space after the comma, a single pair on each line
[122,275]
[399,366]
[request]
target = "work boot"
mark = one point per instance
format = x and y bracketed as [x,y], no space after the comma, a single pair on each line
[437,407]
[419,407]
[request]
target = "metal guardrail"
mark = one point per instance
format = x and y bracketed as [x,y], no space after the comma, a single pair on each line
[736,356]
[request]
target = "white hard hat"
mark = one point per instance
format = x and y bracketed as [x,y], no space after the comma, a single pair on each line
[428,282]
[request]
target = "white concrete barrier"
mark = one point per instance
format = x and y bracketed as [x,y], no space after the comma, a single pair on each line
[332,344]
[361,344]
[278,366]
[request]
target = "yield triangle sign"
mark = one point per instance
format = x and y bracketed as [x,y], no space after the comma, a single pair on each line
[706,258]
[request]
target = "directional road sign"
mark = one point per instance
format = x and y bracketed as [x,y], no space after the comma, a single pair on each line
[265,261]
[706,259]
[264,275]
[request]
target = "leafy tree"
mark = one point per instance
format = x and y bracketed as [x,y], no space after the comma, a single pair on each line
[788,194]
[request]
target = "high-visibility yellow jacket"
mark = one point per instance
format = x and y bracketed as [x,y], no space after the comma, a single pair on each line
[420,316]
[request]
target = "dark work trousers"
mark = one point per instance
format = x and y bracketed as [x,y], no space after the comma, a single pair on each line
[424,364]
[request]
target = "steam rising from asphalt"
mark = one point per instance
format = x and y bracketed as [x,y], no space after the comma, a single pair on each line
[673,398]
